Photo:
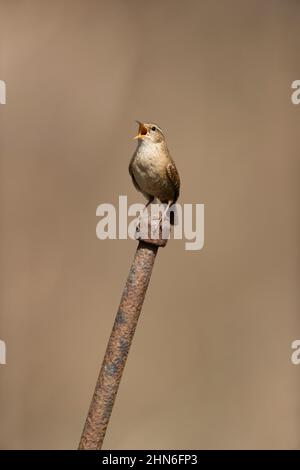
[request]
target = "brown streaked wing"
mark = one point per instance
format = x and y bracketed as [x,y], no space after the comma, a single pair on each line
[173,176]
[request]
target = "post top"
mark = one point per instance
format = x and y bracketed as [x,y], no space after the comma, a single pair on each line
[153,230]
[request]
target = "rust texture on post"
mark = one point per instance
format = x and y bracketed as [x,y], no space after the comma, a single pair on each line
[119,344]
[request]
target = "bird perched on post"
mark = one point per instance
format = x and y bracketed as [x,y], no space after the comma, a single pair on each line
[152,168]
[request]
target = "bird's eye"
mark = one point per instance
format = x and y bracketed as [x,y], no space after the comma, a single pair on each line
[153,128]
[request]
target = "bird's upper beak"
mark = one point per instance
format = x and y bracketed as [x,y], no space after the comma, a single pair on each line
[142,131]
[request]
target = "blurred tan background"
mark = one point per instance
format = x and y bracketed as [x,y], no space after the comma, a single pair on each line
[210,365]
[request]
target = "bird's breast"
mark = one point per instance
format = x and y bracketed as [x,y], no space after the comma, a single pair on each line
[148,161]
[149,169]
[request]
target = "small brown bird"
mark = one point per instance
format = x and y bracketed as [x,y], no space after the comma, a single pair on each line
[152,168]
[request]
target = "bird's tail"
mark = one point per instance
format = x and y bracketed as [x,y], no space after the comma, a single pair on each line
[173,215]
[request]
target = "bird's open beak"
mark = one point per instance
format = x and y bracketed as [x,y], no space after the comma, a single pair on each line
[142,131]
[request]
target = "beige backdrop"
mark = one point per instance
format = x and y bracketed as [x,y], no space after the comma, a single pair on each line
[210,365]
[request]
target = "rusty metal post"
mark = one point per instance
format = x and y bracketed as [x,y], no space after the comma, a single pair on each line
[120,341]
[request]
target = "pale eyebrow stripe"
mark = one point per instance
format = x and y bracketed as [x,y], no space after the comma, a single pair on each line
[159,128]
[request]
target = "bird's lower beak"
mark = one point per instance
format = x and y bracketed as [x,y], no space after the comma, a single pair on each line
[142,131]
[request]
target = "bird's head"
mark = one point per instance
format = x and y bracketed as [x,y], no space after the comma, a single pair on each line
[148,131]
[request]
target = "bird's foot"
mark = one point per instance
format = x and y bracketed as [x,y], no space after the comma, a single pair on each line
[152,230]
